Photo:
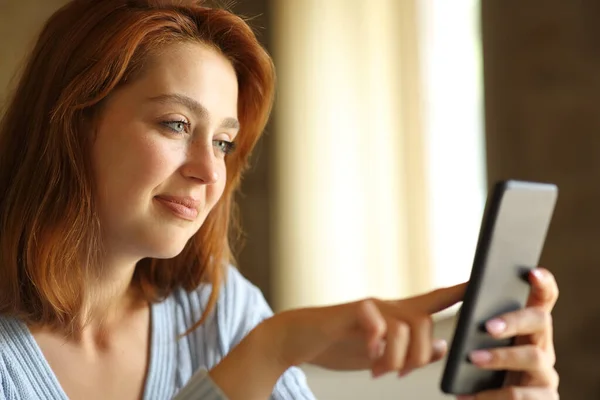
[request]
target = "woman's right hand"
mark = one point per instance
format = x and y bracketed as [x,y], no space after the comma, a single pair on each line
[382,336]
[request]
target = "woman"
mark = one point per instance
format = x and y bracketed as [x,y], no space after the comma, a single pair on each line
[120,152]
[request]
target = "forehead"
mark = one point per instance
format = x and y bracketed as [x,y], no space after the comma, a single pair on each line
[193,70]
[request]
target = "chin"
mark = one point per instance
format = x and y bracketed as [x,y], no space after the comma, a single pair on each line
[167,250]
[165,247]
[164,240]
[167,254]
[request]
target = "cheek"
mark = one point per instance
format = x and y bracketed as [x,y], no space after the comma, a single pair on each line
[153,162]
[215,191]
[131,168]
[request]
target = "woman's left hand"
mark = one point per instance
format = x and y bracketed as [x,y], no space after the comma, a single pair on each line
[531,361]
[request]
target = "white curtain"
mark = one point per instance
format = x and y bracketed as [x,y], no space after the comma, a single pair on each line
[351,166]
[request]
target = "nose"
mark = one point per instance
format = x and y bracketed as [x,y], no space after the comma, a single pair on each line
[201,164]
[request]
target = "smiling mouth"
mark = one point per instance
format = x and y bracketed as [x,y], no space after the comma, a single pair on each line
[180,207]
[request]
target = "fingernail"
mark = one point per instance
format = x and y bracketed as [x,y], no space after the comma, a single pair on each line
[495,326]
[539,275]
[374,353]
[480,356]
[440,346]
[376,350]
[376,372]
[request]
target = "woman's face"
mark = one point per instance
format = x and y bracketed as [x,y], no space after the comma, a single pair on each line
[159,155]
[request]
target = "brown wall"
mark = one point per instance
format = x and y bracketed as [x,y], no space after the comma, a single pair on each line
[257,192]
[542,79]
[20,21]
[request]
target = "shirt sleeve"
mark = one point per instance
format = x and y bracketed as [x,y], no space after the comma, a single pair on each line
[244,307]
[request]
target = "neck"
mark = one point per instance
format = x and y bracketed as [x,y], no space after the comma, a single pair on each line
[110,299]
[109,304]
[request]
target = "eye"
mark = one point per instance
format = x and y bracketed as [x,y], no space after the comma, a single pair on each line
[224,146]
[178,126]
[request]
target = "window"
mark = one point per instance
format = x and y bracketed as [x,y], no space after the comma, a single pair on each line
[454,134]
[379,148]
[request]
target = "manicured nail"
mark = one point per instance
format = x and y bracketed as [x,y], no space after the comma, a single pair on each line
[480,356]
[374,353]
[376,372]
[440,346]
[539,275]
[376,350]
[495,326]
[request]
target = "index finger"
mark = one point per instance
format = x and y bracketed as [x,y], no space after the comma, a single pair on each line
[544,289]
[439,299]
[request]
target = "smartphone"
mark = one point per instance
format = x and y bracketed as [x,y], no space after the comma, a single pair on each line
[511,238]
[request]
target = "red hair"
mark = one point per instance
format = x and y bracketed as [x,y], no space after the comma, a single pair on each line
[49,228]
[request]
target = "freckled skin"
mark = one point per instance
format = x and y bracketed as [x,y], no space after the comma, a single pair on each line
[136,157]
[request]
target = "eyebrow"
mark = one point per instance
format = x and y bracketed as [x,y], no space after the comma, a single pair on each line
[195,107]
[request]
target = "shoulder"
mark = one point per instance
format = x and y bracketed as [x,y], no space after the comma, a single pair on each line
[240,307]
[6,379]
[18,368]
[242,303]
[13,341]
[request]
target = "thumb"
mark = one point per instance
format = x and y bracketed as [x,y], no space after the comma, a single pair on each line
[439,299]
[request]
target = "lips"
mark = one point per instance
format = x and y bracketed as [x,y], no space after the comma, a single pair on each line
[182,207]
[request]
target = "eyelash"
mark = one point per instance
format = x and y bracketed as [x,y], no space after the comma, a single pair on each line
[228,147]
[186,125]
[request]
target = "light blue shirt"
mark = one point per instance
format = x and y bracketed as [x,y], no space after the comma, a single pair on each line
[174,364]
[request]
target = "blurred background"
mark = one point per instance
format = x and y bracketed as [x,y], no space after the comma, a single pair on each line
[392,120]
